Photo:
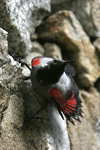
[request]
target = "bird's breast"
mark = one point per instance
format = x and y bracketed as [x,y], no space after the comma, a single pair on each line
[64,84]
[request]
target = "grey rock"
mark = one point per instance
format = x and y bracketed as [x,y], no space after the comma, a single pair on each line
[3,46]
[52,50]
[10,72]
[91,98]
[96,43]
[87,12]
[11,108]
[20,18]
[97,131]
[37,47]
[34,37]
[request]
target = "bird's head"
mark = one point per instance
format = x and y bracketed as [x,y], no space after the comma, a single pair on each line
[41,62]
[48,62]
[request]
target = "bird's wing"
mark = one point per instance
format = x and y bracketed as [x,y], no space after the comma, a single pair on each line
[70,70]
[71,107]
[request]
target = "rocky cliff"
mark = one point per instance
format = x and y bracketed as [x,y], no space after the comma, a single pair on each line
[63,29]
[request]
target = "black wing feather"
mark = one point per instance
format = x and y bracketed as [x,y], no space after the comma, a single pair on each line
[70,70]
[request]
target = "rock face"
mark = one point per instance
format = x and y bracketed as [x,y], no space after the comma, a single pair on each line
[87,12]
[64,34]
[16,95]
[64,29]
[11,108]
[96,43]
[52,50]
[20,18]
[37,47]
[97,131]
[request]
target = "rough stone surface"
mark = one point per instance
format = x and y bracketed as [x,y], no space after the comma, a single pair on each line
[33,37]
[11,108]
[64,29]
[84,132]
[87,12]
[20,18]
[3,46]
[97,131]
[37,47]
[18,103]
[96,43]
[52,50]
[92,101]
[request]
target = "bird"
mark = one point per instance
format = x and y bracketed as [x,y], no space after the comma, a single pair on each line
[53,79]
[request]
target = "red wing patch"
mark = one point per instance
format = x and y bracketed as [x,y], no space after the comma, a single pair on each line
[70,104]
[35,62]
[54,93]
[67,106]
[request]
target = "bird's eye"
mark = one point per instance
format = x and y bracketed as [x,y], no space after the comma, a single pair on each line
[55,61]
[35,62]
